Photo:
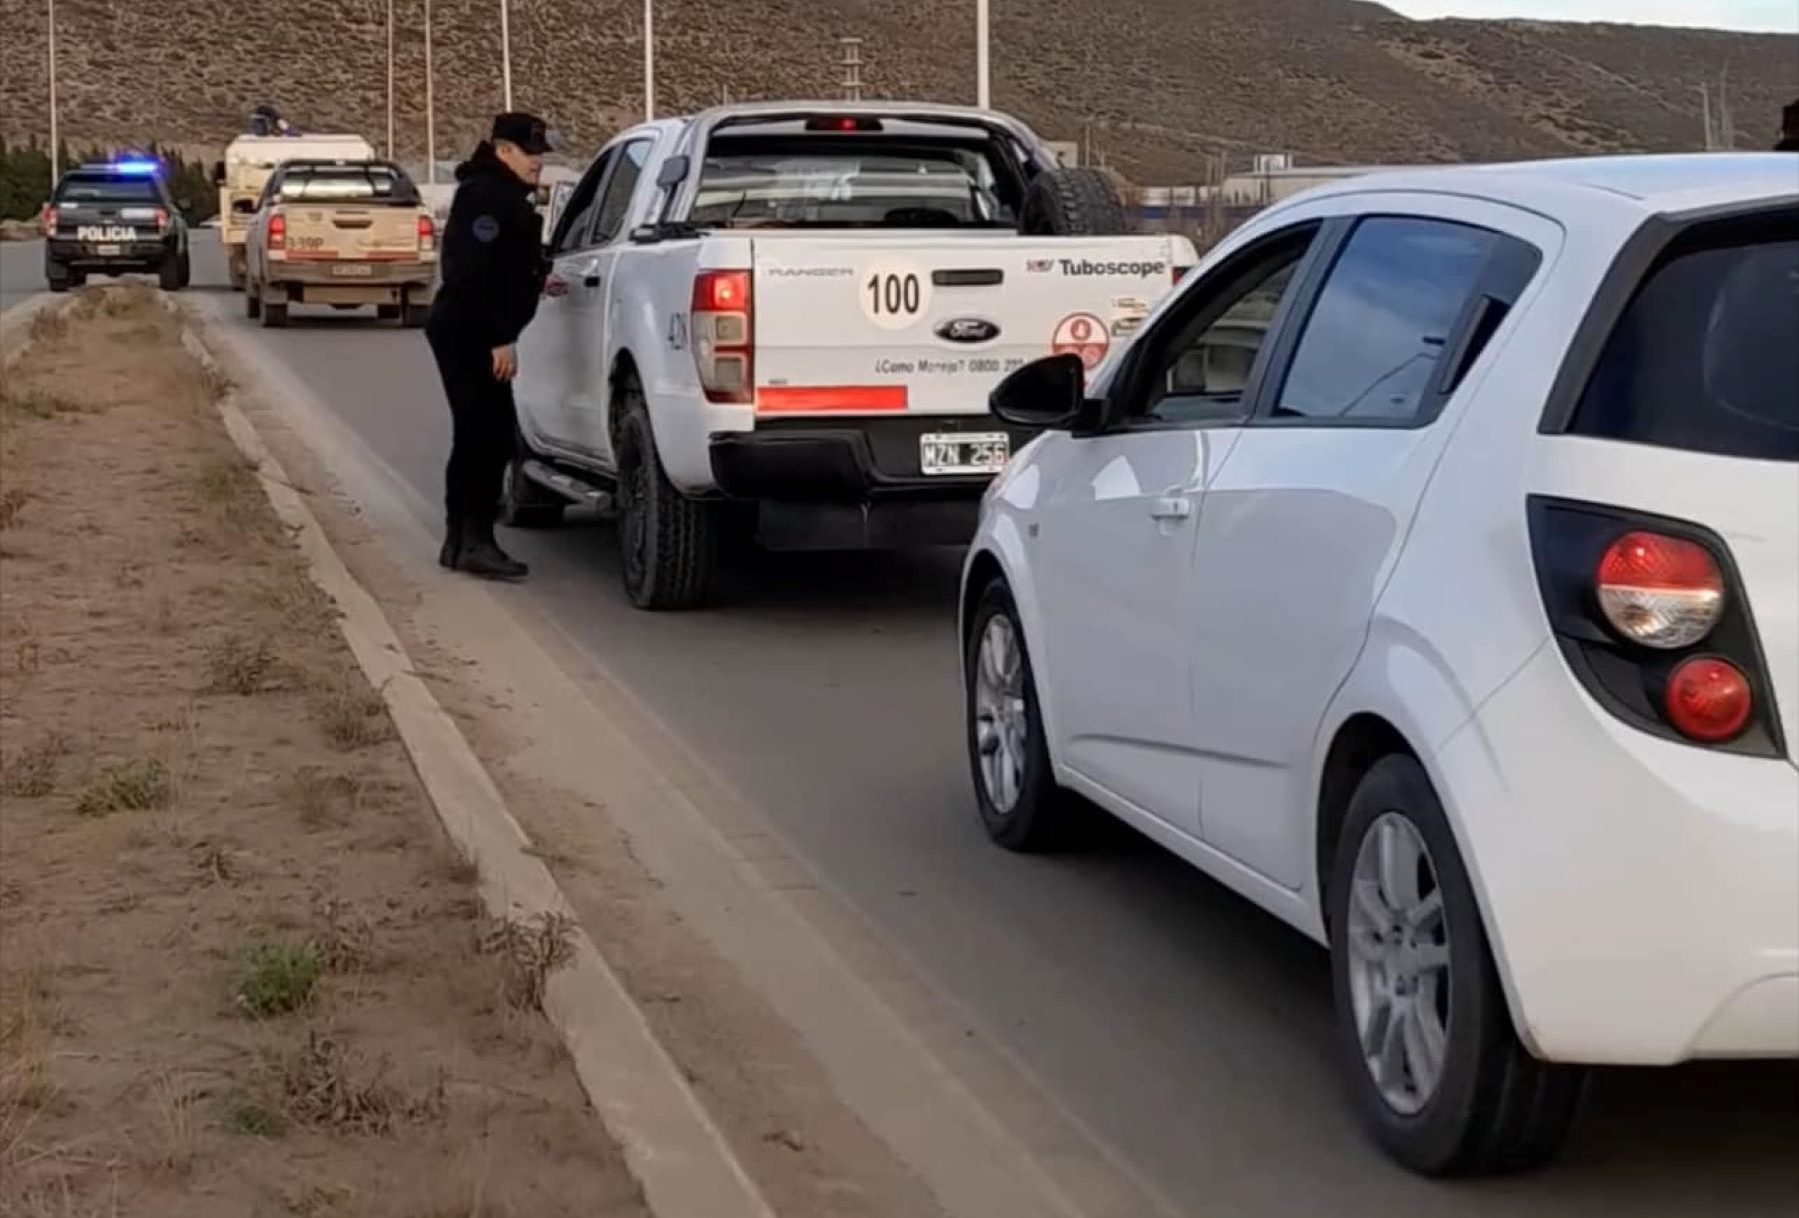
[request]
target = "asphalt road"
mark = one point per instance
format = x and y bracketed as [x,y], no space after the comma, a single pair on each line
[1182,1026]
[21,272]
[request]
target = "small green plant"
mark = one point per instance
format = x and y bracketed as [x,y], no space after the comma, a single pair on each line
[128,786]
[250,1117]
[278,979]
[238,665]
[31,774]
[529,950]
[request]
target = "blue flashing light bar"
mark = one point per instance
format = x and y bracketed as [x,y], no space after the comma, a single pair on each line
[141,168]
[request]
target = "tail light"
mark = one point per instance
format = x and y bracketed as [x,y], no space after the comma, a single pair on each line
[723,335]
[1659,591]
[162,218]
[1651,618]
[278,231]
[427,235]
[1180,273]
[49,220]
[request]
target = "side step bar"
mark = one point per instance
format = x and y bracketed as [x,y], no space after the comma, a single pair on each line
[568,486]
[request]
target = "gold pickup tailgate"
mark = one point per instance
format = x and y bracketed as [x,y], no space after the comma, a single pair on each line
[341,233]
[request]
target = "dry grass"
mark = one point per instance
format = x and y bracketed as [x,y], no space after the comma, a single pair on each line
[177,1131]
[352,715]
[34,403]
[326,1082]
[529,952]
[32,771]
[49,326]
[136,785]
[237,664]
[229,484]
[12,500]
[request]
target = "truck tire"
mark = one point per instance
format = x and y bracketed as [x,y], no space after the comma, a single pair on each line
[523,503]
[667,548]
[252,301]
[387,312]
[60,278]
[1072,203]
[236,269]
[168,275]
[274,311]
[187,269]
[414,314]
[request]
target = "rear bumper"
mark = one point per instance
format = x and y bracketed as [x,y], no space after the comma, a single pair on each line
[380,274]
[852,483]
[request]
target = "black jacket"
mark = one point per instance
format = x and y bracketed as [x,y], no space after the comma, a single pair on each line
[492,261]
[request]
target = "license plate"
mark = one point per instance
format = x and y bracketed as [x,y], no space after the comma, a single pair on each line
[109,251]
[353,270]
[972,452]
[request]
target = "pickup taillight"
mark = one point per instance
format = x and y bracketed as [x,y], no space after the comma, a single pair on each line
[427,235]
[278,231]
[162,218]
[49,220]
[723,325]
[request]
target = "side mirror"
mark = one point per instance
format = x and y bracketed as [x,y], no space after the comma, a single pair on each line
[673,172]
[1049,393]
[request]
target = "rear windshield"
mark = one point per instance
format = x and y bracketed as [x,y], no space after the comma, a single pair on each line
[105,188]
[348,183]
[838,182]
[1706,355]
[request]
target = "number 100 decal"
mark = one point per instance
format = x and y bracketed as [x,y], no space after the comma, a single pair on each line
[895,294]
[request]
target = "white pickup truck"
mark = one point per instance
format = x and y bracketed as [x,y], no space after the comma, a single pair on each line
[780,323]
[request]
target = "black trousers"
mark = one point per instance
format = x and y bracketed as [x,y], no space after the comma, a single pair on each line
[483,418]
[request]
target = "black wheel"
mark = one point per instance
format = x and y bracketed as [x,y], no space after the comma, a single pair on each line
[523,503]
[667,540]
[1435,1068]
[274,310]
[252,301]
[187,270]
[1015,788]
[168,275]
[387,312]
[1072,202]
[60,278]
[414,316]
[235,270]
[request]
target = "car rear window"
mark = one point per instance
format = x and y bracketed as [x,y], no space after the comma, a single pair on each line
[837,182]
[1706,355]
[348,183]
[106,188]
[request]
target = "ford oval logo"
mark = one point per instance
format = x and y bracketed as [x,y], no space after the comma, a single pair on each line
[968,330]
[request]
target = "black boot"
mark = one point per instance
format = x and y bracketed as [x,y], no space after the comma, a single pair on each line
[451,555]
[481,555]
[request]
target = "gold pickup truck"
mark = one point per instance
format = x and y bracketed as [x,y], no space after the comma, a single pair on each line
[345,234]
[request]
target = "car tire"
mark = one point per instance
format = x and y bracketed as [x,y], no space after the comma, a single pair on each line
[667,542]
[1474,1102]
[1072,203]
[388,312]
[252,301]
[168,275]
[1021,806]
[414,315]
[523,503]
[60,279]
[273,311]
[237,272]
[187,270]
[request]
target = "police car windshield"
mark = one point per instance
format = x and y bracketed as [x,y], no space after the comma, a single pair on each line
[838,182]
[106,188]
[347,183]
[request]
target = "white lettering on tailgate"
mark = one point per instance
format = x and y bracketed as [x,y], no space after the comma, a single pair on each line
[105,232]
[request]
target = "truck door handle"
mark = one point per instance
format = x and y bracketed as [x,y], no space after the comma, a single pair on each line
[1171,507]
[591,279]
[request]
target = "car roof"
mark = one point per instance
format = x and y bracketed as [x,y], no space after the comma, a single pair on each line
[1644,185]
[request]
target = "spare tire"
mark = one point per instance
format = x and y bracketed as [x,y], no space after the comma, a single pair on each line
[1072,203]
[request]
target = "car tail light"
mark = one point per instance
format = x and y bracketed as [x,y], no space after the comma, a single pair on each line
[277,231]
[1659,591]
[427,235]
[1181,272]
[723,335]
[49,220]
[1708,699]
[162,218]
[1651,618]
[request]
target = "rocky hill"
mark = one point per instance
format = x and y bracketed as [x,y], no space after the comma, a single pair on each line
[1159,84]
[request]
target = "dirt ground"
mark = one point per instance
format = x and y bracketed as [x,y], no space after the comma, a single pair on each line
[241,971]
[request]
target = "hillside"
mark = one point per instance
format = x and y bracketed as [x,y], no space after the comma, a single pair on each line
[1330,80]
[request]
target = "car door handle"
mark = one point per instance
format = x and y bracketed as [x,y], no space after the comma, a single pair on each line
[591,279]
[1171,507]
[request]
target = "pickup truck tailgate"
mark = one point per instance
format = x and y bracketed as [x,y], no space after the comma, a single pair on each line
[348,234]
[930,324]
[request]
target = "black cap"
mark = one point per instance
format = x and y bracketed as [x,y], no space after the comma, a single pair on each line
[526,130]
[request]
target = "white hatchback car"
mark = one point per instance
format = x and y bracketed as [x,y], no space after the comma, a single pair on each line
[1427,571]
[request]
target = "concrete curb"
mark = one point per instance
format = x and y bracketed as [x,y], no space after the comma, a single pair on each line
[682,1161]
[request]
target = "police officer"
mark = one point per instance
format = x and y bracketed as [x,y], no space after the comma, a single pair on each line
[492,266]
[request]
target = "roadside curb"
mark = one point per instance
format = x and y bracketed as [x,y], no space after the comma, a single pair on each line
[671,1144]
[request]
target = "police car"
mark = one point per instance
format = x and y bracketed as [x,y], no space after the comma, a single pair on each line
[114,218]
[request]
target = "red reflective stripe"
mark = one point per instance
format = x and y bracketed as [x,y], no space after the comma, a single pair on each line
[820,399]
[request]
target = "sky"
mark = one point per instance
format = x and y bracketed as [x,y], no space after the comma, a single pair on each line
[1777,16]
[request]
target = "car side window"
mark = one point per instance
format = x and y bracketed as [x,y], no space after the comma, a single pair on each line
[1200,368]
[615,199]
[1395,298]
[577,213]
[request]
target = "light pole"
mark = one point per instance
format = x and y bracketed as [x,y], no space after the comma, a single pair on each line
[430,105]
[55,138]
[506,53]
[390,79]
[983,62]
[649,59]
